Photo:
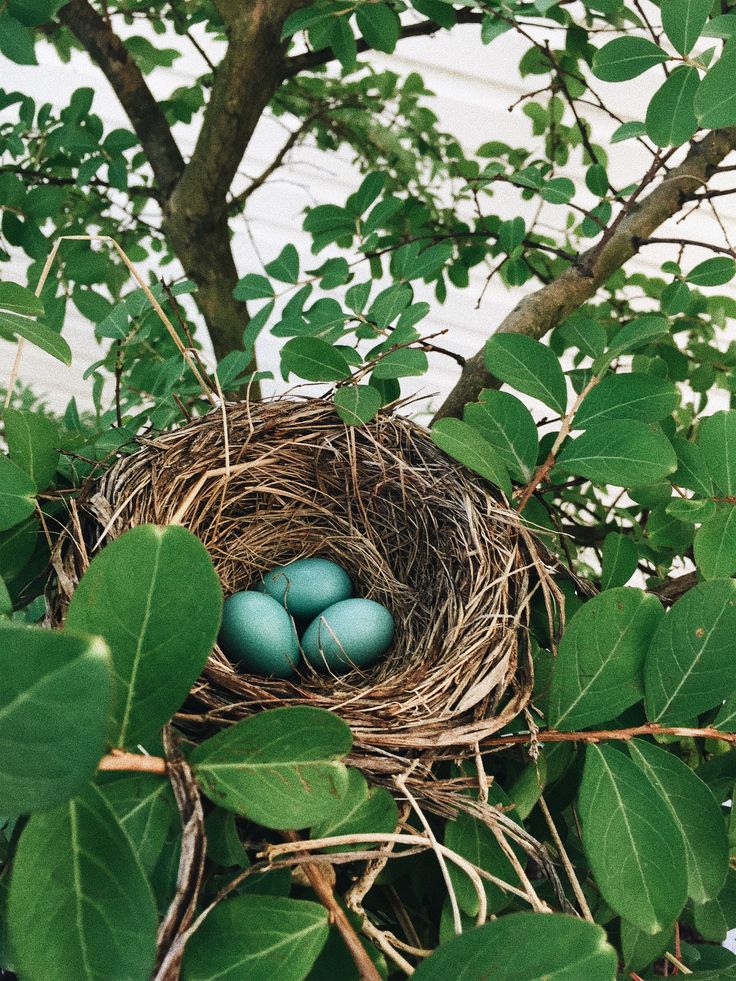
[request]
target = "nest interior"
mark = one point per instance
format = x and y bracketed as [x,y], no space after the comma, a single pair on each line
[264,484]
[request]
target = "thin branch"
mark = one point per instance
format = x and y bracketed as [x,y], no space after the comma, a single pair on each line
[119,67]
[315,59]
[608,735]
[721,249]
[538,312]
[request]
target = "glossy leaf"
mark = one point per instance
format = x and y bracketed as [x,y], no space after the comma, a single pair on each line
[506,423]
[633,335]
[54,705]
[717,442]
[314,360]
[696,813]
[95,916]
[253,286]
[465,444]
[281,768]
[715,101]
[405,362]
[683,22]
[357,404]
[714,919]
[598,669]
[33,442]
[625,58]
[137,594]
[625,453]
[363,809]
[379,25]
[713,272]
[715,544]
[529,367]
[689,667]
[20,300]
[670,119]
[620,558]
[524,947]
[628,396]
[285,267]
[17,494]
[257,937]
[634,847]
[145,807]
[36,333]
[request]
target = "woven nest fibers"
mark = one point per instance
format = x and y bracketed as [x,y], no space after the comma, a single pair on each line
[265,484]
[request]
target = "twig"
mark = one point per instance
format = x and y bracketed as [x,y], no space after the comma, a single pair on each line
[323,890]
[565,858]
[604,735]
[565,428]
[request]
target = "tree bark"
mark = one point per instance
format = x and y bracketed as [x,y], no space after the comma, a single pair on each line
[546,308]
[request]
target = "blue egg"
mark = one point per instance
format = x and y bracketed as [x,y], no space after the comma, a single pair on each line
[352,633]
[259,633]
[307,587]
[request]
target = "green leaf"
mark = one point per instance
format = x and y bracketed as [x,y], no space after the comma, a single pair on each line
[626,454]
[357,404]
[558,190]
[634,847]
[37,334]
[524,947]
[717,442]
[625,58]
[280,768]
[254,287]
[342,42]
[713,272]
[620,559]
[362,810]
[17,494]
[715,101]
[628,131]
[54,707]
[17,299]
[714,919]
[689,667]
[506,423]
[462,442]
[145,807]
[586,334]
[715,544]
[17,41]
[257,937]
[639,949]
[136,594]
[315,360]
[389,303]
[32,444]
[635,334]
[529,367]
[696,813]
[628,396]
[285,267]
[692,471]
[598,668]
[94,917]
[379,25]
[683,22]
[406,362]
[670,119]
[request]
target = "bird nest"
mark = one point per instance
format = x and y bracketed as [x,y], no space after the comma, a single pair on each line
[264,484]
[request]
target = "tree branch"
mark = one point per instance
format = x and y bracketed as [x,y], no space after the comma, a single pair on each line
[315,59]
[539,312]
[118,66]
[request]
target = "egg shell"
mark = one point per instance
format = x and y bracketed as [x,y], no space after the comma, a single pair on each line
[259,633]
[307,587]
[352,633]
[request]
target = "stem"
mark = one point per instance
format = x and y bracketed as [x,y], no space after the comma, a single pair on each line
[601,735]
[323,891]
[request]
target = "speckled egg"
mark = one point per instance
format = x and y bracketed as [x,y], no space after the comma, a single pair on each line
[257,632]
[307,587]
[352,633]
